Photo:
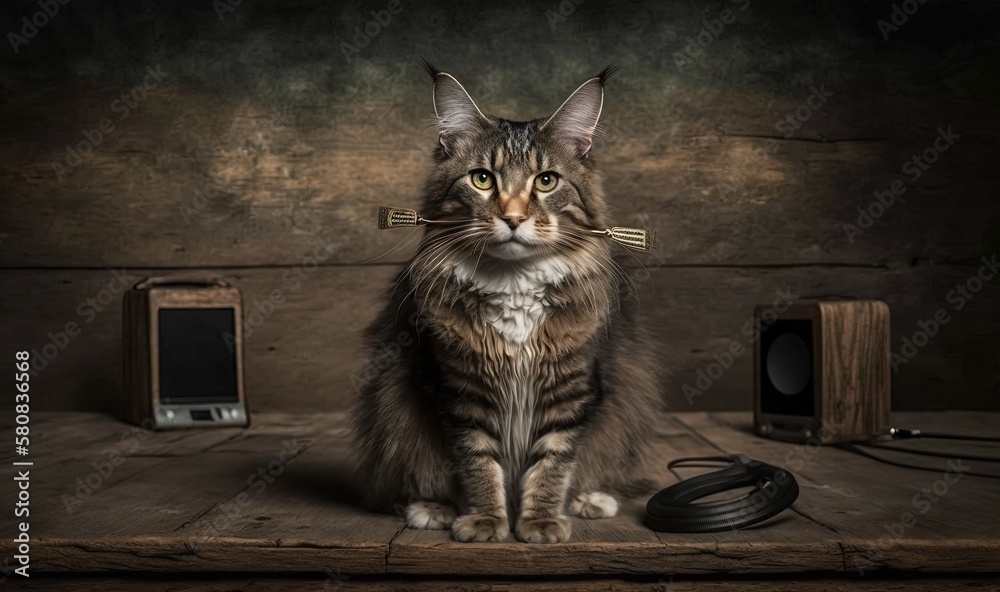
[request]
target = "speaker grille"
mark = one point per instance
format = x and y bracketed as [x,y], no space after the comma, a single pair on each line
[786,368]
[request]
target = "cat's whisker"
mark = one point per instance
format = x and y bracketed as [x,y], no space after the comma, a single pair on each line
[430,246]
[482,243]
[391,249]
[431,261]
[631,238]
[584,241]
[629,251]
[427,241]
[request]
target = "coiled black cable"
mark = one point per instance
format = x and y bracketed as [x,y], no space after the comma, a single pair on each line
[672,510]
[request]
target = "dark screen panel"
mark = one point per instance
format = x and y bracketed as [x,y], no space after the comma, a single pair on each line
[196,362]
[772,399]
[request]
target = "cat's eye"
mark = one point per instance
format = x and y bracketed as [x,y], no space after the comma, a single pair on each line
[482,179]
[546,182]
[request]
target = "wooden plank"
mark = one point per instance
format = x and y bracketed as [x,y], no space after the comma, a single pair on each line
[666,584]
[709,198]
[306,354]
[885,515]
[297,162]
[314,503]
[624,544]
[154,493]
[222,554]
[96,436]
[185,514]
[190,508]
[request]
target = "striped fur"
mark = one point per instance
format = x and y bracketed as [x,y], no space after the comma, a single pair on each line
[522,386]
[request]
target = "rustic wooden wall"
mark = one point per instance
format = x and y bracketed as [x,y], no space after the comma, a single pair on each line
[267,142]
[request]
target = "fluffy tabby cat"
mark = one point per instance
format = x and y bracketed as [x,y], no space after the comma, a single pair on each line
[521,389]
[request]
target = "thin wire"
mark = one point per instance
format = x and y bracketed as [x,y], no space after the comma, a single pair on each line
[942,436]
[932,452]
[856,450]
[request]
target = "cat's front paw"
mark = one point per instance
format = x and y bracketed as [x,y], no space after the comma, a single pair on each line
[593,505]
[429,515]
[480,528]
[544,530]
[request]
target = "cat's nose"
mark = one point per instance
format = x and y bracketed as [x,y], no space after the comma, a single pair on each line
[513,220]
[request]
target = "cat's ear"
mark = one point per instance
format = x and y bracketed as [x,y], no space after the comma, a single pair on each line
[576,120]
[458,116]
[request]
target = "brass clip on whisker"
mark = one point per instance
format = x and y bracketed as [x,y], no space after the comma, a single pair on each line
[633,238]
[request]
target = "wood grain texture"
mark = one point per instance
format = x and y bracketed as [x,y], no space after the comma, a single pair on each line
[262,159]
[857,361]
[676,583]
[252,153]
[304,351]
[850,374]
[175,504]
[886,517]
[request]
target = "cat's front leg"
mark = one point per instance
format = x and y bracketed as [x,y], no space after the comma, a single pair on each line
[544,487]
[482,479]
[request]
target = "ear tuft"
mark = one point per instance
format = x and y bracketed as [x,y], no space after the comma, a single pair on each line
[607,73]
[429,69]
[457,114]
[576,120]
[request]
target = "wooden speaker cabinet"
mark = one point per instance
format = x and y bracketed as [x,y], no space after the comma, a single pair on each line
[183,354]
[822,371]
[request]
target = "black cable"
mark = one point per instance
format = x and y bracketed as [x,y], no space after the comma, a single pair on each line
[673,509]
[902,434]
[931,452]
[853,448]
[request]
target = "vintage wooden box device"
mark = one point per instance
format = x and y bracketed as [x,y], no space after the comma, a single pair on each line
[822,371]
[183,353]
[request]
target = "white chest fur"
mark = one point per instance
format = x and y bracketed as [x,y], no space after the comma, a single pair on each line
[513,295]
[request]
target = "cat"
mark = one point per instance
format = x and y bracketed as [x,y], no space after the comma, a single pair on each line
[522,387]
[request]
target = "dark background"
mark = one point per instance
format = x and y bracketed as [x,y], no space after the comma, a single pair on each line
[264,146]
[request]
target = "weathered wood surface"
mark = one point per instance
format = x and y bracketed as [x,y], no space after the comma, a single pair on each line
[886,516]
[181,502]
[676,584]
[310,155]
[294,148]
[305,355]
[686,171]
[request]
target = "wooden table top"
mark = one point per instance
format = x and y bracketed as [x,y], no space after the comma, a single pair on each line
[106,497]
